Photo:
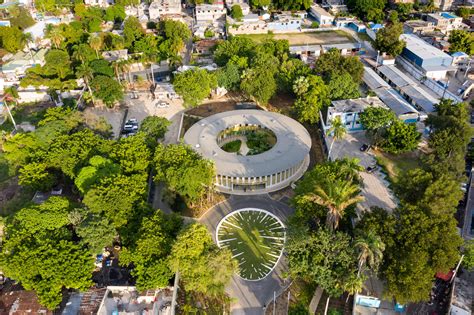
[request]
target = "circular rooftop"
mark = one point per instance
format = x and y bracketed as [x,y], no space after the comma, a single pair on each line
[292,146]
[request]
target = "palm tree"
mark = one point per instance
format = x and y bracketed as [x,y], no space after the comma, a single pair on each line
[370,247]
[28,38]
[336,196]
[338,130]
[56,36]
[85,72]
[353,285]
[124,67]
[80,52]
[96,43]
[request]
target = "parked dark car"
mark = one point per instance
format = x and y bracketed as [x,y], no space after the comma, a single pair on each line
[365,148]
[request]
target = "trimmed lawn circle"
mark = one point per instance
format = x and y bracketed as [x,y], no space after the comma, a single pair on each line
[256,239]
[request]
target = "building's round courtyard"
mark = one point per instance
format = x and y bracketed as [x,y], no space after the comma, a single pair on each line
[254,151]
[255,238]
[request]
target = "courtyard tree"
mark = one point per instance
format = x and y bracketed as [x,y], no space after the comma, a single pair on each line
[98,168]
[95,231]
[333,63]
[365,9]
[36,176]
[177,161]
[259,84]
[342,86]
[292,4]
[388,39]
[194,255]
[194,85]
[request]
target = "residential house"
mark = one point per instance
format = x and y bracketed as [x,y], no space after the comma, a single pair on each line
[441,4]
[433,62]
[323,17]
[114,55]
[162,8]
[460,59]
[285,22]
[127,300]
[243,5]
[446,22]
[210,12]
[334,6]
[350,22]
[100,3]
[309,53]
[204,47]
[418,26]
[16,67]
[348,111]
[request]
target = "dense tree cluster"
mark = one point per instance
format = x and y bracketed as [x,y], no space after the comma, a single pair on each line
[368,10]
[461,41]
[194,85]
[388,39]
[51,246]
[388,132]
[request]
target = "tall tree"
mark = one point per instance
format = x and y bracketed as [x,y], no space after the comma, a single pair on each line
[194,255]
[335,196]
[461,41]
[313,95]
[388,39]
[337,131]
[401,137]
[370,248]
[194,85]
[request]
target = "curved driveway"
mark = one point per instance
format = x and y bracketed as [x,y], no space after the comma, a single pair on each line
[251,295]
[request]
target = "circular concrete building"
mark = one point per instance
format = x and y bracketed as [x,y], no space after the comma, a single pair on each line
[254,151]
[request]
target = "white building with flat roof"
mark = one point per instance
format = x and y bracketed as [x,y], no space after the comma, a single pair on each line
[446,21]
[323,17]
[210,12]
[432,61]
[160,8]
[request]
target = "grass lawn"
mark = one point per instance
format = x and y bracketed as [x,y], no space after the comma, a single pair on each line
[232,147]
[397,165]
[255,239]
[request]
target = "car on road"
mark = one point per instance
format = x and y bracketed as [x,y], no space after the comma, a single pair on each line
[162,105]
[365,147]
[130,127]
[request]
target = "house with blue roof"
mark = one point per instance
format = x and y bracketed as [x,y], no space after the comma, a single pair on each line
[373,29]
[460,59]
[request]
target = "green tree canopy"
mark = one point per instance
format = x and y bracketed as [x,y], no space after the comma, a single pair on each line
[177,161]
[333,63]
[194,85]
[34,252]
[154,128]
[461,41]
[11,38]
[343,87]
[194,255]
[401,137]
[313,96]
[106,89]
[323,257]
[149,252]
[236,12]
[388,39]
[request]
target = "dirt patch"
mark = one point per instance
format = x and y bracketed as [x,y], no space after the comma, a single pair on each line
[312,38]
[212,106]
[281,103]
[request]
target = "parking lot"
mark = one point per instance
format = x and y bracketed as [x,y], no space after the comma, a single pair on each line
[140,108]
[375,186]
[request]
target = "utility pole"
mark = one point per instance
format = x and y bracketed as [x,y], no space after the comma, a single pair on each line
[10,113]
[377,60]
[175,293]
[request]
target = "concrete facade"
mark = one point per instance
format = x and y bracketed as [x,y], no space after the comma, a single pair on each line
[269,171]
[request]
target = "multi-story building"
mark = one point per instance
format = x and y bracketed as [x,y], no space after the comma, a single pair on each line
[442,4]
[210,12]
[446,21]
[348,111]
[418,26]
[160,8]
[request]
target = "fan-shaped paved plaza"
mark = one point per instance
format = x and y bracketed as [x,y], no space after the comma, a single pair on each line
[255,237]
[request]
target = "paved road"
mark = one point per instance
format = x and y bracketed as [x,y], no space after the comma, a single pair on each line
[251,295]
[375,188]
